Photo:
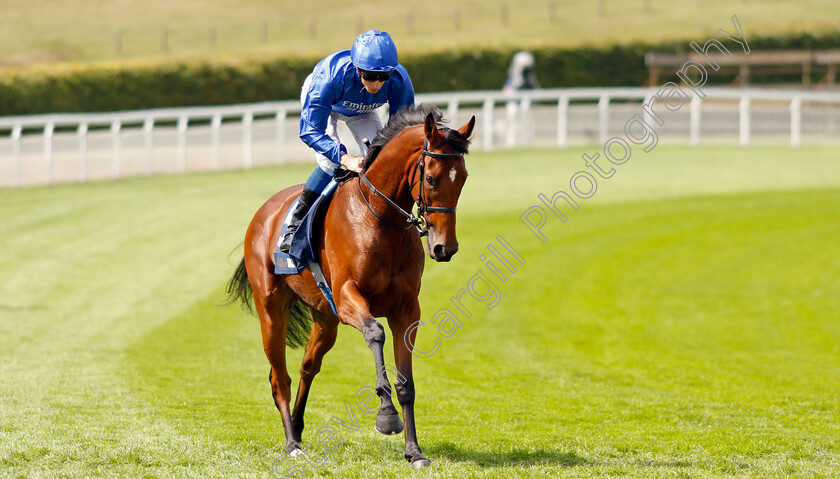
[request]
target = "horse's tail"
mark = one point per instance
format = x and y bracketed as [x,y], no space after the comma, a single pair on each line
[299,325]
[239,288]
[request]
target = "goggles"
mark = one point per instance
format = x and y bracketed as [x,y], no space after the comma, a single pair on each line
[374,76]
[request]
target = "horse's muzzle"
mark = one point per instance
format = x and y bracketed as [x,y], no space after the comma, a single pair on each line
[442,254]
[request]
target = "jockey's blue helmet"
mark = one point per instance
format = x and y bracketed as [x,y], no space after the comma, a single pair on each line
[374,51]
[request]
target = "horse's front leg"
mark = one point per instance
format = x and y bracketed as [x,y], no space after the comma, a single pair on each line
[405,380]
[353,309]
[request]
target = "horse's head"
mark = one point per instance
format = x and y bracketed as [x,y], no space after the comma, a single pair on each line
[443,174]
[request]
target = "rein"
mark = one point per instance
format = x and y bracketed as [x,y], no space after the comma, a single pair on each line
[418,221]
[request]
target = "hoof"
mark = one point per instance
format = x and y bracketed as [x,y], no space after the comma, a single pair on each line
[389,425]
[296,452]
[421,463]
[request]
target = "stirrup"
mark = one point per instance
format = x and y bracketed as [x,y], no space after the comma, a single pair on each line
[286,242]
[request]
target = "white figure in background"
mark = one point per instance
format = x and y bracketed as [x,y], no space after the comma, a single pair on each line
[522,75]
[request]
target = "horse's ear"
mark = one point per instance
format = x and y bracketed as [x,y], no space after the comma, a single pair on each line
[431,128]
[467,129]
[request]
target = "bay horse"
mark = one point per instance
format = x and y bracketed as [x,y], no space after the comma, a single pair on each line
[372,257]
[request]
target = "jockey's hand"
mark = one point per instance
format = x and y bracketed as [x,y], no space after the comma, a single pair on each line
[353,163]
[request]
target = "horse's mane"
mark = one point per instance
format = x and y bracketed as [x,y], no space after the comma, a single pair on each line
[409,116]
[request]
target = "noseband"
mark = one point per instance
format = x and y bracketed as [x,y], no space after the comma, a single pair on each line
[418,221]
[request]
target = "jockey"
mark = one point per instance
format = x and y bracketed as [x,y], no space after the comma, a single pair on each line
[348,85]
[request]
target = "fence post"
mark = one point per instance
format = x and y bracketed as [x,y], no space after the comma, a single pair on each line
[604,118]
[48,156]
[694,121]
[744,115]
[524,124]
[563,121]
[17,130]
[487,114]
[795,122]
[83,156]
[452,111]
[511,123]
[148,140]
[116,126]
[280,125]
[247,151]
[646,116]
[215,146]
[182,143]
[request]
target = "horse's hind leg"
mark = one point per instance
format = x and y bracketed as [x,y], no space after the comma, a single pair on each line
[321,340]
[274,316]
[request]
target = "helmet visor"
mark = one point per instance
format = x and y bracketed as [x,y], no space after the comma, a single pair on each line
[374,76]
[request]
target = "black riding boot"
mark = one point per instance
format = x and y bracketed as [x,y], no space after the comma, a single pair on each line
[306,199]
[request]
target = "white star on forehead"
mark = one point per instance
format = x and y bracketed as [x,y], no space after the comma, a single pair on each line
[452,174]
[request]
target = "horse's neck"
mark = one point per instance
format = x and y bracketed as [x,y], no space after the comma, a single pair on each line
[391,170]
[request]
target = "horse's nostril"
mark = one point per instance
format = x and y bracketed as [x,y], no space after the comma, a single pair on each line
[439,251]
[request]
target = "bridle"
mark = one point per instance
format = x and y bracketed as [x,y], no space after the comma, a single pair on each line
[423,207]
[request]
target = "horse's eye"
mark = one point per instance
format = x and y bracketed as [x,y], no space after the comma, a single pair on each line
[430,179]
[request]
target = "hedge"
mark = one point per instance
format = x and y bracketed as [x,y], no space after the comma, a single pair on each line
[128,87]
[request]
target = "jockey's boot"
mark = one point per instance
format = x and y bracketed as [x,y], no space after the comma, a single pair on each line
[306,199]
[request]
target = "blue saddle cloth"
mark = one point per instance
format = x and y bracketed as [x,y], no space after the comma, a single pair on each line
[302,254]
[303,247]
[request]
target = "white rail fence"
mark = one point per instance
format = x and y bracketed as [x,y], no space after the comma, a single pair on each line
[46,149]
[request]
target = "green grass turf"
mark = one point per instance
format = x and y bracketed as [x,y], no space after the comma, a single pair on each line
[683,323]
[83,31]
